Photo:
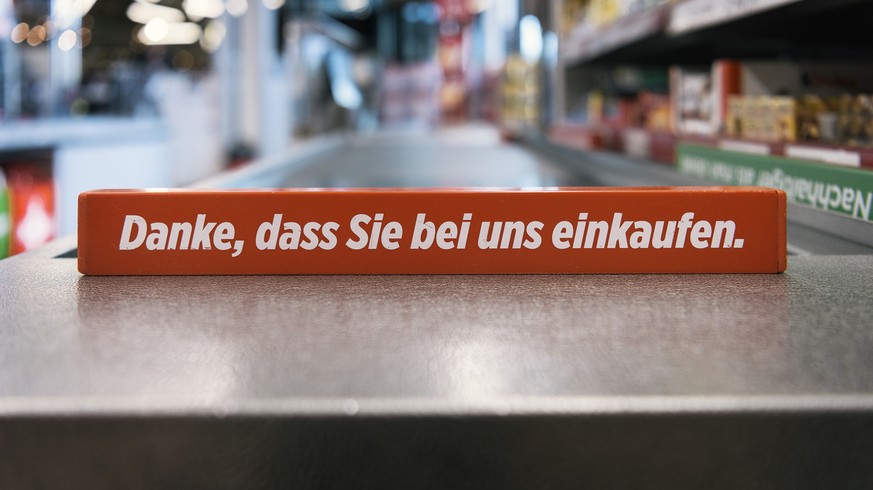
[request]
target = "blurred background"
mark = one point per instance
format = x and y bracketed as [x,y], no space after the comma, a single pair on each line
[165,93]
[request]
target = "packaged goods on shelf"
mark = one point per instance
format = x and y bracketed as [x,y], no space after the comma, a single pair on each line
[603,12]
[771,104]
[453,45]
[653,111]
[845,120]
[31,197]
[520,93]
[573,18]
[762,118]
[409,94]
[700,96]
[829,103]
[646,110]
[815,120]
[774,101]
[855,119]
[452,94]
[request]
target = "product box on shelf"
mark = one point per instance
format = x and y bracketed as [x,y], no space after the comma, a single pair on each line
[762,118]
[845,120]
[409,94]
[654,111]
[826,101]
[816,119]
[573,16]
[700,96]
[520,91]
[31,193]
[855,120]
[603,12]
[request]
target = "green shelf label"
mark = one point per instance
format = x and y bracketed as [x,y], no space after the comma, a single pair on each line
[5,220]
[841,190]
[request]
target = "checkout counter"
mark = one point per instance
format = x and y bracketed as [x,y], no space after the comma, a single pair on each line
[543,381]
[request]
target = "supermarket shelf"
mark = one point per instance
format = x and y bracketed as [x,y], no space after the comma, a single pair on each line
[693,15]
[660,145]
[695,31]
[625,33]
[810,231]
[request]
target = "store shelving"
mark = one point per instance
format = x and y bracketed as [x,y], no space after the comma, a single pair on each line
[693,15]
[700,30]
[625,33]
[755,38]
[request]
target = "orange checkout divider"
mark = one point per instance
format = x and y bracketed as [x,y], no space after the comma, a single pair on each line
[433,231]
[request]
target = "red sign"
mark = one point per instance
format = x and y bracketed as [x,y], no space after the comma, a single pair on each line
[570,230]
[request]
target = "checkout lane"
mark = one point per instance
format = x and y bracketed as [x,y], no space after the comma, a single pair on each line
[466,156]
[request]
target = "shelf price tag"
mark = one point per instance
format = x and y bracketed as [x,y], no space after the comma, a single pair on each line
[409,231]
[833,188]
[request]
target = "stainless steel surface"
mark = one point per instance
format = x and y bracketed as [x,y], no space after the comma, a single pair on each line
[716,381]
[465,157]
[435,343]
[628,381]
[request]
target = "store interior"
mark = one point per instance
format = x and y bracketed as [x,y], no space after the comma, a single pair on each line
[437,380]
[147,93]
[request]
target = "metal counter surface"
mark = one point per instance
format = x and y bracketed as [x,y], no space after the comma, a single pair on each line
[408,344]
[723,381]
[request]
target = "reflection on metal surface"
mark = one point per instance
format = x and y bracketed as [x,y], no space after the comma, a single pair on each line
[440,160]
[466,340]
[437,344]
[120,332]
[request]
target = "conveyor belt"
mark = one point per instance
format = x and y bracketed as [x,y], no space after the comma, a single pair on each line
[660,381]
[447,159]
[407,159]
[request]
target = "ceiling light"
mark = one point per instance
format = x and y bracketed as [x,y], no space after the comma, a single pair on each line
[354,5]
[36,36]
[203,9]
[142,13]
[165,33]
[273,4]
[237,8]
[531,35]
[213,35]
[155,30]
[19,33]
[68,12]
[85,37]
[67,40]
[86,6]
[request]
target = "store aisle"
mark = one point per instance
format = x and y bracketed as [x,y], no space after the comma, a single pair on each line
[467,156]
